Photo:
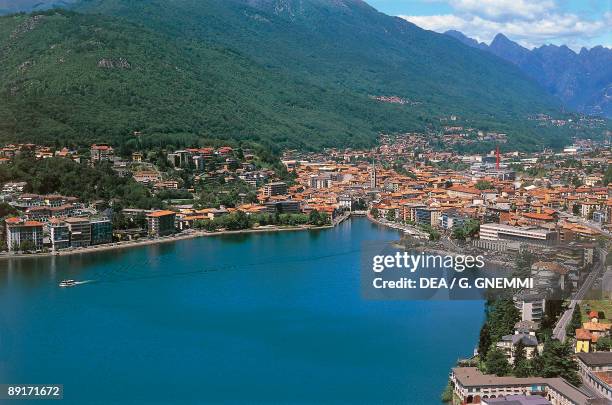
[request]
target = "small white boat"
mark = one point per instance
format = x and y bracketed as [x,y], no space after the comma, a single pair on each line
[68,283]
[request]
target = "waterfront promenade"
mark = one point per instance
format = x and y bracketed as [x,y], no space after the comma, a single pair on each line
[188,234]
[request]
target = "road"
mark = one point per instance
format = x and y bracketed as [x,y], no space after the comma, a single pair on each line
[559,331]
[606,283]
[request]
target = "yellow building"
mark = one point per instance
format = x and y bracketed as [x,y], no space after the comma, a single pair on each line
[585,341]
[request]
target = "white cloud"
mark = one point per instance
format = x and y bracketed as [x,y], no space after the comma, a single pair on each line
[529,22]
[496,9]
[529,31]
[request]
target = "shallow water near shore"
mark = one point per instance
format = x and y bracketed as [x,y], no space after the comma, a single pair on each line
[270,317]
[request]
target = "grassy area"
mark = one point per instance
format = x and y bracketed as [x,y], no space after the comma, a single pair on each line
[604,306]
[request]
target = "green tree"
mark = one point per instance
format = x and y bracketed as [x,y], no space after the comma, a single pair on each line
[483,185]
[375,213]
[521,367]
[604,344]
[458,233]
[27,246]
[502,316]
[325,219]
[141,220]
[575,322]
[447,394]
[7,210]
[119,220]
[210,225]
[434,235]
[66,177]
[497,363]
[314,218]
[471,228]
[484,341]
[519,352]
[557,361]
[390,215]
[523,263]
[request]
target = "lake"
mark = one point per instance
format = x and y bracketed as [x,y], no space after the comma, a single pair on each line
[256,318]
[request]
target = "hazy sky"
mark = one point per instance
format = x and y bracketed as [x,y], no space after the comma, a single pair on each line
[575,23]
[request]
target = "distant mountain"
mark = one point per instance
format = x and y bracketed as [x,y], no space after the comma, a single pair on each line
[297,73]
[583,81]
[466,40]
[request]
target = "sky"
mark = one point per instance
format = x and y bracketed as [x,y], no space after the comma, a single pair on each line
[532,23]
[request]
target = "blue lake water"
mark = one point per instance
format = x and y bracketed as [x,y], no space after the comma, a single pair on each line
[257,318]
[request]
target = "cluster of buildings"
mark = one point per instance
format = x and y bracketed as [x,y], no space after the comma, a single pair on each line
[52,222]
[525,333]
[56,233]
[438,189]
[596,372]
[7,152]
[590,332]
[405,179]
[471,386]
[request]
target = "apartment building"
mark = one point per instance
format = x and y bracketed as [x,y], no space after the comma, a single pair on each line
[596,371]
[21,233]
[276,188]
[101,152]
[59,234]
[530,305]
[532,235]
[80,231]
[283,207]
[161,223]
[101,231]
[472,387]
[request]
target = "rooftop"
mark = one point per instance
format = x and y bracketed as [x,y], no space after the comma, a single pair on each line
[472,377]
[158,214]
[596,359]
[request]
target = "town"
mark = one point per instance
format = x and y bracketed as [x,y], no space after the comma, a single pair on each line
[548,214]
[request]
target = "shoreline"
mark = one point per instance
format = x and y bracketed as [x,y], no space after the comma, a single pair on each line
[161,240]
[433,249]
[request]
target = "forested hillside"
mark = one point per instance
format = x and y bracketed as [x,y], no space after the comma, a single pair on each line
[289,73]
[67,76]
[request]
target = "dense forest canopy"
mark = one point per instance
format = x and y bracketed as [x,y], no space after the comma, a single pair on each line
[237,70]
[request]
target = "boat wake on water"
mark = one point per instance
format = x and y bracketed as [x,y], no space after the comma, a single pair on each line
[74,283]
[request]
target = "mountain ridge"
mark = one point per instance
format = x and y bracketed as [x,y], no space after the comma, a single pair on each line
[251,70]
[582,80]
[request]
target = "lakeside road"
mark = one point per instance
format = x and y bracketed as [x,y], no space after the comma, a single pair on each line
[165,239]
[559,330]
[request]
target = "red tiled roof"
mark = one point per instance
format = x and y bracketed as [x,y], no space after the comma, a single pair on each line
[158,214]
[20,222]
[540,217]
[582,334]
